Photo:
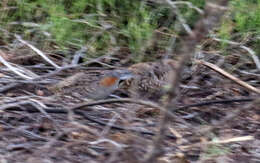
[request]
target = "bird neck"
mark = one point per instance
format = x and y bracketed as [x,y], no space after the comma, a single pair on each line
[109,81]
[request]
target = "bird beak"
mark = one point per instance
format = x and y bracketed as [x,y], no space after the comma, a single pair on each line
[126,76]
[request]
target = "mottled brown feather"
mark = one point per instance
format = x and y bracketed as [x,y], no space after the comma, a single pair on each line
[150,77]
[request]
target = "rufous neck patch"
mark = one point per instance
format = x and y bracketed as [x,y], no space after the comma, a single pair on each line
[108,81]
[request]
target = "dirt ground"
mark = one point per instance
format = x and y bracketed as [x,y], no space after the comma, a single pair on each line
[39,125]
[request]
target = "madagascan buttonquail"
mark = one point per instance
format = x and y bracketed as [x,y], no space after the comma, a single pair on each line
[150,78]
[93,85]
[107,84]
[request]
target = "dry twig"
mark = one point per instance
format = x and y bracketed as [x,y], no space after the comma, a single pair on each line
[37,51]
[228,75]
[212,17]
[249,50]
[13,69]
[215,142]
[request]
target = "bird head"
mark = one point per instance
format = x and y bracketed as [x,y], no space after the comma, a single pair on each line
[113,78]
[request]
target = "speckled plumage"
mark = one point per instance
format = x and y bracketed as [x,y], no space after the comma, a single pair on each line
[150,77]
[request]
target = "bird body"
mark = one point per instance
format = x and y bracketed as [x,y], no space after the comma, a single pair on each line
[93,85]
[149,79]
[142,80]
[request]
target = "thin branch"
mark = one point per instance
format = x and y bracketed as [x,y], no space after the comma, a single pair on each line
[109,124]
[78,54]
[180,17]
[228,75]
[126,100]
[189,4]
[37,51]
[120,146]
[211,18]
[13,69]
[117,127]
[122,100]
[57,71]
[214,142]
[231,116]
[249,50]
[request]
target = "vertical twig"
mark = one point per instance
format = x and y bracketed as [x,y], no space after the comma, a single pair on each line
[211,18]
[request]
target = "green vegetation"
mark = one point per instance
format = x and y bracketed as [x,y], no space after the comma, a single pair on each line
[97,24]
[247,15]
[101,25]
[242,21]
[215,151]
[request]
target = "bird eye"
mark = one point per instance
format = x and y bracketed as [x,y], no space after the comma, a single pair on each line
[121,81]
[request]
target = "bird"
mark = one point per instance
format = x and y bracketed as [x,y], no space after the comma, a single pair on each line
[95,85]
[107,84]
[149,79]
